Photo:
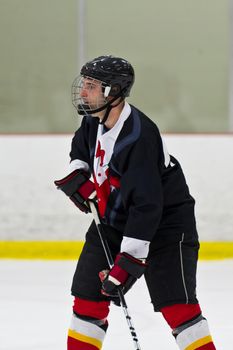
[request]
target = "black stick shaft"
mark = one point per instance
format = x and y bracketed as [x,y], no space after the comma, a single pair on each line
[111,263]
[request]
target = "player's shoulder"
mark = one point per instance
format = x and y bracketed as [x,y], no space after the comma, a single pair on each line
[87,123]
[148,127]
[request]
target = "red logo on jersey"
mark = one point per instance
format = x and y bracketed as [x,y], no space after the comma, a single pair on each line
[100,153]
[103,182]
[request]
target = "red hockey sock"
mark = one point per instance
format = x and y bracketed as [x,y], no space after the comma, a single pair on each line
[88,325]
[209,346]
[177,314]
[75,344]
[95,309]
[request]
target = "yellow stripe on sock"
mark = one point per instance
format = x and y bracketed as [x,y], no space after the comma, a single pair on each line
[85,338]
[200,342]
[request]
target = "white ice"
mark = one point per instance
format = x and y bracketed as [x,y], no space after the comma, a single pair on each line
[35,308]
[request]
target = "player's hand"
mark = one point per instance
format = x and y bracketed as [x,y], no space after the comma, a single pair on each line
[123,274]
[78,188]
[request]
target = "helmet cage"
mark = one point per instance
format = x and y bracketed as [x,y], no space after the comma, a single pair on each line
[83,102]
[114,75]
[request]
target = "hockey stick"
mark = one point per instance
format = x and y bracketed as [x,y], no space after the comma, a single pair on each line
[111,263]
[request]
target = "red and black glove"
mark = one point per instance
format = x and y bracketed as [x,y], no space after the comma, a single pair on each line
[78,188]
[123,274]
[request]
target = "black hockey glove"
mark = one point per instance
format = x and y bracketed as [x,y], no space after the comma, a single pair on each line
[123,274]
[78,188]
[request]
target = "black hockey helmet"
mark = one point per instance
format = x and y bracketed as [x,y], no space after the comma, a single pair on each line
[116,76]
[115,72]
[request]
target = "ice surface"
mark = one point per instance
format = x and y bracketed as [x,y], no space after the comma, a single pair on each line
[35,308]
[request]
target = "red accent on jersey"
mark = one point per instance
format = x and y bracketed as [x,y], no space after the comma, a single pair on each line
[75,344]
[114,181]
[100,153]
[177,314]
[96,309]
[103,191]
[102,184]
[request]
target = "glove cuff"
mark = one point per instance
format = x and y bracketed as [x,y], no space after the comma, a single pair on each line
[118,275]
[78,188]
[135,267]
[86,189]
[72,182]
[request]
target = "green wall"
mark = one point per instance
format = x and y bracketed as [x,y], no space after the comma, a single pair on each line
[38,63]
[179,51]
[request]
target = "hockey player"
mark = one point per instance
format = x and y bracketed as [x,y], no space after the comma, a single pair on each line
[145,208]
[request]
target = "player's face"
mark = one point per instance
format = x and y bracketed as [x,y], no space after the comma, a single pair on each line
[91,93]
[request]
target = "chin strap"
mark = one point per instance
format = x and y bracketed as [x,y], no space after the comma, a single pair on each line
[108,110]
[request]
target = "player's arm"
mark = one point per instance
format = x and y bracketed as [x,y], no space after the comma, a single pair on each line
[141,191]
[142,195]
[77,184]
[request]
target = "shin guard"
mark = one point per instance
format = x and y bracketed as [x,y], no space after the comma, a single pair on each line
[88,325]
[194,334]
[190,328]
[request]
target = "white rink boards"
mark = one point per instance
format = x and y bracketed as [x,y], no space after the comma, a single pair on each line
[32,208]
